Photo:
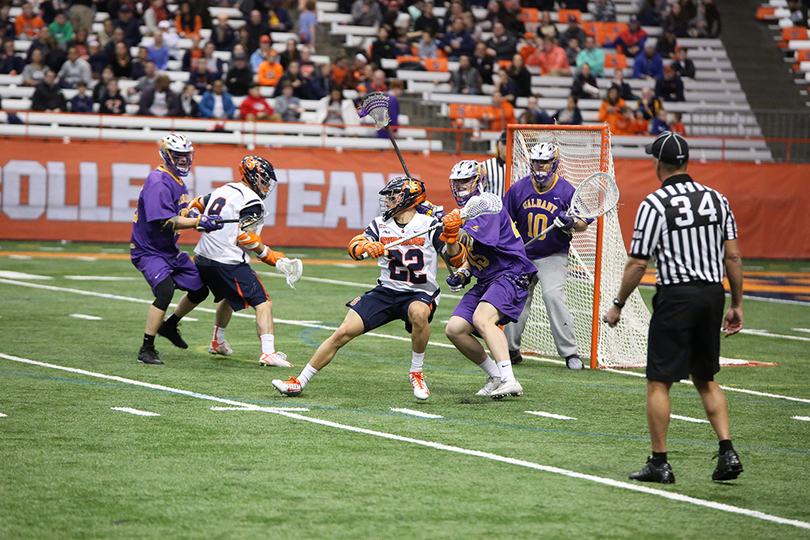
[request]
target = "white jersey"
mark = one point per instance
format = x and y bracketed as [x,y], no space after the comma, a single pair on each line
[410,266]
[228,202]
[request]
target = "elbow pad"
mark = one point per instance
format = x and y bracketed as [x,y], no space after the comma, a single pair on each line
[459,260]
[249,240]
[356,247]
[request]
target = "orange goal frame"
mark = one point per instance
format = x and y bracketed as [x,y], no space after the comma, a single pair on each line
[604,165]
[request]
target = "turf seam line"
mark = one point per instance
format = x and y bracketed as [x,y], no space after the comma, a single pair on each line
[439,446]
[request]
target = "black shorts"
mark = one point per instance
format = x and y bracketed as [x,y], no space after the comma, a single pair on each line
[236,283]
[684,334]
[382,305]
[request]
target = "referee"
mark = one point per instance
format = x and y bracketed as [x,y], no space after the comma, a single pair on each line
[690,231]
[496,169]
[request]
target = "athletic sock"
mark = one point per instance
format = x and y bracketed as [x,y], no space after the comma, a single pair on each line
[172,321]
[659,458]
[417,361]
[725,446]
[268,343]
[306,374]
[148,341]
[219,334]
[490,367]
[505,368]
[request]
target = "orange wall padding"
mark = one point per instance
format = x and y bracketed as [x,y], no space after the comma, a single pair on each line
[86,191]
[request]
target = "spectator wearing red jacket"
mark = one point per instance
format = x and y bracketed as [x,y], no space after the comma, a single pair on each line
[630,42]
[255,107]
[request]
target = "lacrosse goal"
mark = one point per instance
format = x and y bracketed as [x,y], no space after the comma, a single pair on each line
[597,256]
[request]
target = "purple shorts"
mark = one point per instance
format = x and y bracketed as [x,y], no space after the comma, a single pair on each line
[507,292]
[156,268]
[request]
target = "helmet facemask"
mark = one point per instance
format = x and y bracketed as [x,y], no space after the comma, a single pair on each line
[399,195]
[467,179]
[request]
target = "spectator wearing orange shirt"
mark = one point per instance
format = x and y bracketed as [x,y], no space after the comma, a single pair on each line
[186,22]
[528,46]
[609,109]
[28,23]
[641,126]
[551,59]
[341,74]
[255,107]
[675,124]
[500,114]
[623,123]
[270,71]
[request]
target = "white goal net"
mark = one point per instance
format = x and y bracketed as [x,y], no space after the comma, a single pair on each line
[595,265]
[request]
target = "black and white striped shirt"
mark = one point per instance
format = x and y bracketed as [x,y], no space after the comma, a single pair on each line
[496,176]
[683,225]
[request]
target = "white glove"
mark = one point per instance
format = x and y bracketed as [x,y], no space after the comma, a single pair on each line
[291,268]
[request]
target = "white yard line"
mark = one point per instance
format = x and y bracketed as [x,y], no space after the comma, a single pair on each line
[85,317]
[550,415]
[20,257]
[3,415]
[447,448]
[85,258]
[102,278]
[137,412]
[769,334]
[801,330]
[689,419]
[803,418]
[420,414]
[22,275]
[297,409]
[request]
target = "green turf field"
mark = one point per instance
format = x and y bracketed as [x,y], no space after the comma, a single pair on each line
[345,464]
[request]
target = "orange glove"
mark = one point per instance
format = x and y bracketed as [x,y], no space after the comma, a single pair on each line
[268,256]
[374,249]
[452,225]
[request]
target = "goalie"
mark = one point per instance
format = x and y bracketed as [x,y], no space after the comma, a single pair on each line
[222,257]
[407,287]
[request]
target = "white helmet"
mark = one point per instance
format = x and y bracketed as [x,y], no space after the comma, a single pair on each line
[468,178]
[177,153]
[544,159]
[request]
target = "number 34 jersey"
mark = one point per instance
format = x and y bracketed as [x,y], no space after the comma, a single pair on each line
[410,266]
[230,201]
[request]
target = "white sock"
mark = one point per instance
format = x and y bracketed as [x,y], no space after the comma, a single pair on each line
[268,343]
[417,361]
[506,371]
[490,367]
[219,334]
[306,374]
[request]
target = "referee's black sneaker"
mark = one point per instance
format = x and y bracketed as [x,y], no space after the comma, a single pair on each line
[515,357]
[574,362]
[654,473]
[148,355]
[728,467]
[172,334]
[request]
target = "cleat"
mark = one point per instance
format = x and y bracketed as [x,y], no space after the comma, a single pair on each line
[728,466]
[173,335]
[148,356]
[492,384]
[574,362]
[420,389]
[277,359]
[654,473]
[515,357]
[291,387]
[220,347]
[507,388]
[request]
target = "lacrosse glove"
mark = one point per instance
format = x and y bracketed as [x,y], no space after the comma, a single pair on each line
[452,226]
[459,280]
[208,223]
[565,222]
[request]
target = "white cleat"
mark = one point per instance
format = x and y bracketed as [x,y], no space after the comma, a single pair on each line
[291,387]
[420,389]
[220,347]
[276,359]
[492,384]
[507,388]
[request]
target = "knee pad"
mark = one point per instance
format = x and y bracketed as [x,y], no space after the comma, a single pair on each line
[163,294]
[198,296]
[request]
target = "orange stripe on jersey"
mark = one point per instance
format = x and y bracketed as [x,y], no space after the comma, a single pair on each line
[239,289]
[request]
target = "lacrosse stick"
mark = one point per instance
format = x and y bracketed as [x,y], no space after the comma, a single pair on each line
[292,270]
[596,196]
[478,205]
[375,105]
[246,222]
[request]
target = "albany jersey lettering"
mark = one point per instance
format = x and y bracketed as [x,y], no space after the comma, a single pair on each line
[412,265]
[229,202]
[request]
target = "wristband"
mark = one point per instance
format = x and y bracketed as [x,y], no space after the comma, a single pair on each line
[618,304]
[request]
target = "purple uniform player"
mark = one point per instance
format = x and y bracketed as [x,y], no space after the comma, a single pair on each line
[161,213]
[534,203]
[495,255]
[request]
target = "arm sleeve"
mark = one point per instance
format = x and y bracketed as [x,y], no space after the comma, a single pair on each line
[730,226]
[646,231]
[372,232]
[437,244]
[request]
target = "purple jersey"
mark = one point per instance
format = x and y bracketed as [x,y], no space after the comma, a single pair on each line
[162,197]
[532,212]
[494,247]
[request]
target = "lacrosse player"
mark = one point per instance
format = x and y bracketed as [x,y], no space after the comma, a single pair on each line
[535,202]
[223,257]
[494,254]
[162,212]
[407,287]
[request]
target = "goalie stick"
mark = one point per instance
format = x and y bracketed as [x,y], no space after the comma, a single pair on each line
[478,205]
[594,197]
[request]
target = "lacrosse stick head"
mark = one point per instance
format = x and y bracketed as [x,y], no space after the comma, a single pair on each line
[467,179]
[544,159]
[375,105]
[486,203]
[251,223]
[292,270]
[401,194]
[595,196]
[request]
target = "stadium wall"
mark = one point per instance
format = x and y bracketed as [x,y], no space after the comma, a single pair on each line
[87,191]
